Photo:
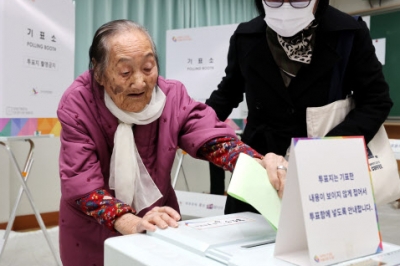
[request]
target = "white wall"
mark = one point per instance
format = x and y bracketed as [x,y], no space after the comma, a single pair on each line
[4,186]
[43,181]
[197,175]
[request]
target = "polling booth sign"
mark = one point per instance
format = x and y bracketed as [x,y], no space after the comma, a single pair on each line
[328,210]
[37,40]
[198,57]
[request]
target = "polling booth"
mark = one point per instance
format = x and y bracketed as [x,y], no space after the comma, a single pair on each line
[197,57]
[37,40]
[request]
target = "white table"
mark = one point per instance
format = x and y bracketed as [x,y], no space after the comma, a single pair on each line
[23,177]
[216,245]
[142,249]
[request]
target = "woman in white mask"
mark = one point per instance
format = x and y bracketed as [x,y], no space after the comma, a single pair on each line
[289,17]
[289,58]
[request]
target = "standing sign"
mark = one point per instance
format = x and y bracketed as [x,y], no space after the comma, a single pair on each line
[328,210]
[37,40]
[198,57]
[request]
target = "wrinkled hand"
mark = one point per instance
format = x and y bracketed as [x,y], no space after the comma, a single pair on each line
[277,176]
[160,217]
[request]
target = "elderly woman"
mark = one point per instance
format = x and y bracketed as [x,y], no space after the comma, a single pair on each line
[121,126]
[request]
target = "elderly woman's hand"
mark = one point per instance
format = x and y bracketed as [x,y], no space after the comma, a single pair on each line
[161,217]
[276,167]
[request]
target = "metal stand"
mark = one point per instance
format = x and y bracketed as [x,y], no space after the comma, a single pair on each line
[179,168]
[23,177]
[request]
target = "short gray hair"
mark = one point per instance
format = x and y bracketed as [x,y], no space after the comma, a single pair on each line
[99,50]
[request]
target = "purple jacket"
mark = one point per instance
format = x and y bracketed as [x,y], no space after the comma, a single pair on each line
[87,140]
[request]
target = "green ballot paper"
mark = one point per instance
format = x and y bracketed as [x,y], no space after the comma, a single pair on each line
[250,184]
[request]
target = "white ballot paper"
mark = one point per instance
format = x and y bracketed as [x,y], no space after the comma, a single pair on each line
[328,210]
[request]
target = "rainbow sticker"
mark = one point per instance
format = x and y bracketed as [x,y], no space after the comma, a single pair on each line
[10,127]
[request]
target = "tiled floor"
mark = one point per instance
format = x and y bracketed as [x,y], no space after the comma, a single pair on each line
[29,248]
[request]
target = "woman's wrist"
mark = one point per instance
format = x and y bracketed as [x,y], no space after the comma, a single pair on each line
[126,224]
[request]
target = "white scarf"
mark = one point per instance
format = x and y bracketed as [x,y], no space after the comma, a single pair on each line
[128,176]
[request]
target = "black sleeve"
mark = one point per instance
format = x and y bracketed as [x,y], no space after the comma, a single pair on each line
[230,91]
[365,78]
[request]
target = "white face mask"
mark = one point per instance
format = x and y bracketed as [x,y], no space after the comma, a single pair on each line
[287,20]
